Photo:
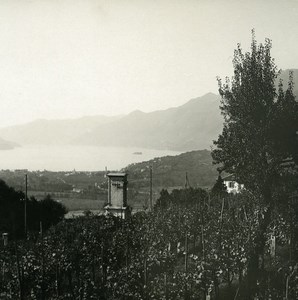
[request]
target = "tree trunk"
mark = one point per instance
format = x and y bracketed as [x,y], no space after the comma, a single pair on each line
[253,268]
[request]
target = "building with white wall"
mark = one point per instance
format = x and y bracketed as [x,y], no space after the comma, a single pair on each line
[233,187]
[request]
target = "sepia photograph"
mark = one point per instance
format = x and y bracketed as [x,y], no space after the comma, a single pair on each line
[148,150]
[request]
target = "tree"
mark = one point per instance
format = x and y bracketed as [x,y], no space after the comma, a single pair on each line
[259,134]
[52,212]
[11,210]
[260,122]
[219,189]
[48,211]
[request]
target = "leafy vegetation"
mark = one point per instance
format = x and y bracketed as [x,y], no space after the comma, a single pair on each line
[169,171]
[190,246]
[259,137]
[12,212]
[83,190]
[195,243]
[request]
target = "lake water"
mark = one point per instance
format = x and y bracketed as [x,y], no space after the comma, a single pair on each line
[81,158]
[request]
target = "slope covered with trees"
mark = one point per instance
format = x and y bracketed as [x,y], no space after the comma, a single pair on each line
[170,171]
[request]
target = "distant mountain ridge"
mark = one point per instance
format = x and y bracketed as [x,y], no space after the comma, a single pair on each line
[284,76]
[191,126]
[187,127]
[7,145]
[53,132]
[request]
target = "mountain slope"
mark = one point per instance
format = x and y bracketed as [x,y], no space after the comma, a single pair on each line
[188,127]
[7,145]
[170,171]
[284,76]
[191,126]
[55,132]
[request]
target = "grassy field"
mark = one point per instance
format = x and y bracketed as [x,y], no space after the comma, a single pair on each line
[74,202]
[138,199]
[82,204]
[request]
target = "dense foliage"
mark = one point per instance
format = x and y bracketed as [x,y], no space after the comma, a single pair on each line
[12,211]
[178,251]
[169,171]
[259,142]
[260,121]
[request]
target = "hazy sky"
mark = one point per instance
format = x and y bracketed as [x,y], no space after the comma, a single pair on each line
[69,58]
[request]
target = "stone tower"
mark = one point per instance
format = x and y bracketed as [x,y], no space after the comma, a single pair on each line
[117,195]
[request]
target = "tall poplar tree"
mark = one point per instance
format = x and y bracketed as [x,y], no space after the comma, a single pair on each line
[261,121]
[259,134]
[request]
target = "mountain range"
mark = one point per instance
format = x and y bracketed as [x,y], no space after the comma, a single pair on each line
[191,126]
[7,145]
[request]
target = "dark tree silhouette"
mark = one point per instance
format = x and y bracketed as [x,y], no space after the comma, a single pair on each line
[259,134]
[47,211]
[260,121]
[219,189]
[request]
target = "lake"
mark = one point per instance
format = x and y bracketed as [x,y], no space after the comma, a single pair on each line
[81,158]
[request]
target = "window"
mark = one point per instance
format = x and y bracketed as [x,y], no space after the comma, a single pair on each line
[231,184]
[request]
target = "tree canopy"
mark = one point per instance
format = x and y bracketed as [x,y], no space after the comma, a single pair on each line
[259,143]
[47,211]
[261,120]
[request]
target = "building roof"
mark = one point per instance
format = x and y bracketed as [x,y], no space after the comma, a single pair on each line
[230,177]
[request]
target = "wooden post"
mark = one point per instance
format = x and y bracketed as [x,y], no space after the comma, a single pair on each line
[287,288]
[102,262]
[186,254]
[186,267]
[145,279]
[42,265]
[222,208]
[20,278]
[57,280]
[40,229]
[151,204]
[25,205]
[126,255]
[166,285]
[203,243]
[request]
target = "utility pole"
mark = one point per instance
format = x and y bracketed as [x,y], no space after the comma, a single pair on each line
[25,204]
[150,188]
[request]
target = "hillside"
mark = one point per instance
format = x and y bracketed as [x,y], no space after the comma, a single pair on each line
[7,145]
[170,171]
[88,190]
[284,76]
[53,132]
[189,127]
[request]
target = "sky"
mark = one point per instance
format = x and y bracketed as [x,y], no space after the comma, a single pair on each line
[72,58]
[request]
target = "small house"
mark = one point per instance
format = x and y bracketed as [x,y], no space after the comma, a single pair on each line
[233,187]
